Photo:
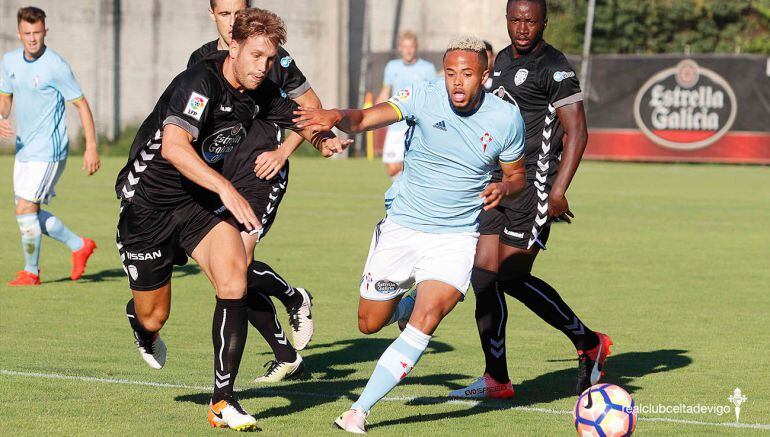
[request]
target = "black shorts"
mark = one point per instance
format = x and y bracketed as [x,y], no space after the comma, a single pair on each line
[263,196]
[151,242]
[522,222]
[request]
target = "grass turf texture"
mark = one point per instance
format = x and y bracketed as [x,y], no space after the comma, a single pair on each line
[671,261]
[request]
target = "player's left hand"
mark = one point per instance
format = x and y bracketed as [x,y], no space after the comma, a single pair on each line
[268,164]
[558,208]
[492,195]
[332,146]
[318,119]
[91,162]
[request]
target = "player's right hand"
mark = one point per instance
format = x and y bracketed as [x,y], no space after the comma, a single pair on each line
[6,130]
[239,208]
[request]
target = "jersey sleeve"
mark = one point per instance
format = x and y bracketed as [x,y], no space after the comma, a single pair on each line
[6,87]
[190,104]
[273,106]
[290,77]
[561,84]
[65,83]
[408,101]
[513,149]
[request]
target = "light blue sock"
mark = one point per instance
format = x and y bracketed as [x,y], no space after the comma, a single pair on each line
[397,361]
[54,228]
[30,240]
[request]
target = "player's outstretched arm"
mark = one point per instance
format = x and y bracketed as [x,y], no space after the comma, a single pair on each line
[348,120]
[6,130]
[91,162]
[514,180]
[177,149]
[573,119]
[268,164]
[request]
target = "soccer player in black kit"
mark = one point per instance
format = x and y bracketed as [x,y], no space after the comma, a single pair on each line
[264,193]
[537,78]
[173,174]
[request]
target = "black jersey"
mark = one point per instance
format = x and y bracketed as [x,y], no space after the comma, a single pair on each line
[216,115]
[284,71]
[262,136]
[538,84]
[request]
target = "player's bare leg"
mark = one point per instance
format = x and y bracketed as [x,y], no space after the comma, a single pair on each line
[435,299]
[223,259]
[298,301]
[147,312]
[373,315]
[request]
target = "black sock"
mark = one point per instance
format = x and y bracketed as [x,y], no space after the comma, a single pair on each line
[544,301]
[140,333]
[491,317]
[229,329]
[262,278]
[262,316]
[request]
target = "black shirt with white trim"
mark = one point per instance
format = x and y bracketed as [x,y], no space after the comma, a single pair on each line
[538,83]
[215,114]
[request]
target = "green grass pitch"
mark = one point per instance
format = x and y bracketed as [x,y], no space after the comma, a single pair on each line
[671,261]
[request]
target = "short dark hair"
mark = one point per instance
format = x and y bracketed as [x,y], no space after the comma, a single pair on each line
[543,5]
[254,21]
[31,15]
[488,46]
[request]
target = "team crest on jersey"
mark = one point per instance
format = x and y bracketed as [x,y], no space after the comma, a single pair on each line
[221,142]
[486,139]
[520,76]
[196,105]
[286,61]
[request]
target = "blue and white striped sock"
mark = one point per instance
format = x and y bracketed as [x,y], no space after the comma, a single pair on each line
[397,361]
[54,228]
[30,240]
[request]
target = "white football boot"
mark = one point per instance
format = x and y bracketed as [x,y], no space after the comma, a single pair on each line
[153,354]
[229,414]
[301,321]
[281,371]
[353,420]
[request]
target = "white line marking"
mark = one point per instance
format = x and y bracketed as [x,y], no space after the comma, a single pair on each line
[491,406]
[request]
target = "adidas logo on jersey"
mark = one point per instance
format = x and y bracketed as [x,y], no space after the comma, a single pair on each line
[440,125]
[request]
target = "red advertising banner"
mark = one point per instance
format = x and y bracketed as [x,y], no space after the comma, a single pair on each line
[684,109]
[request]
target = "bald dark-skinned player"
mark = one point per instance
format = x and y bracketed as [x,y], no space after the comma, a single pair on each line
[537,78]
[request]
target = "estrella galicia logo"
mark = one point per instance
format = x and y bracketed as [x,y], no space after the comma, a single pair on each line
[222,142]
[561,75]
[384,286]
[685,107]
[286,61]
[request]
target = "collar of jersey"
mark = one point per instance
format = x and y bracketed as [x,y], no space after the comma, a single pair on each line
[23,56]
[467,114]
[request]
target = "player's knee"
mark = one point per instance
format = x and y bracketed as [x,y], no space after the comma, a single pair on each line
[484,281]
[232,288]
[367,325]
[426,321]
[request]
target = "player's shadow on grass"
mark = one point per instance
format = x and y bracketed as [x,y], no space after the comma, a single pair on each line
[622,369]
[330,382]
[119,274]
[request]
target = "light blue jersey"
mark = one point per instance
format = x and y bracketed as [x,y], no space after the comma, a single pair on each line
[39,90]
[399,75]
[450,158]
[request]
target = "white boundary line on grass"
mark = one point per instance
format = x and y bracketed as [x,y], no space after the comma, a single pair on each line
[388,399]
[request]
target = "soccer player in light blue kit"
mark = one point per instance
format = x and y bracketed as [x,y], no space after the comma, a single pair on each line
[458,135]
[401,74]
[41,81]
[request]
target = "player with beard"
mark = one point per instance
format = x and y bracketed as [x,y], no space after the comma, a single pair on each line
[173,171]
[264,148]
[536,77]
